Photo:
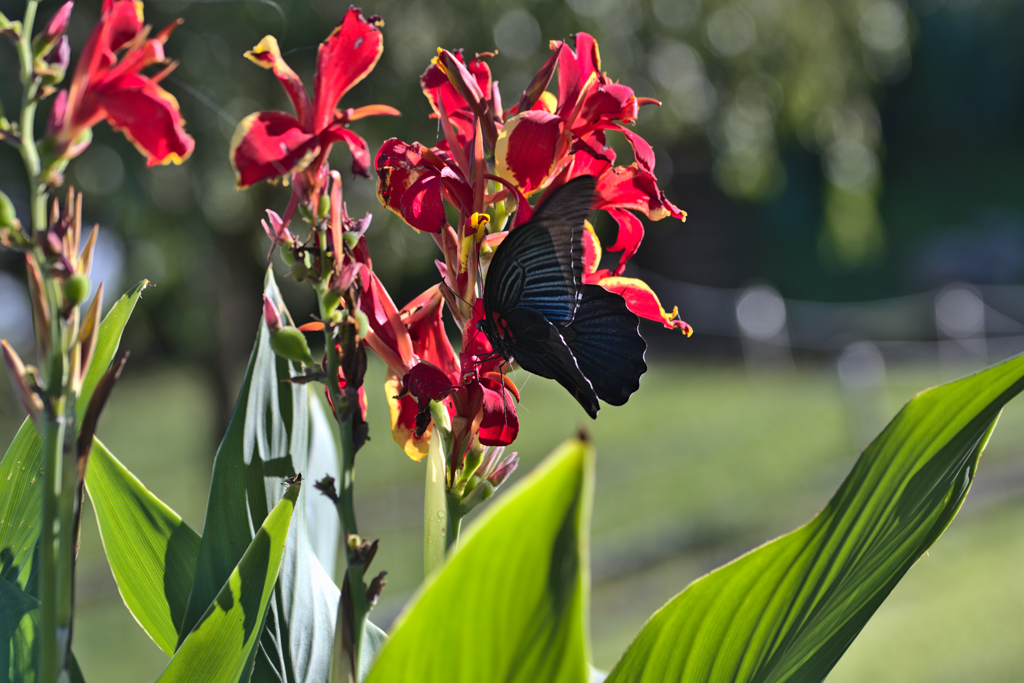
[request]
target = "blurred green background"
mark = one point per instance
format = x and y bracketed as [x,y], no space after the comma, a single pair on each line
[839,151]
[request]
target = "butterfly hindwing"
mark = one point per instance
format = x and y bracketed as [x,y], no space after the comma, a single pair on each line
[539,348]
[539,265]
[606,344]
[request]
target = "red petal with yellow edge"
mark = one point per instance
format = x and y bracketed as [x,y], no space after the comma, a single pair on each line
[529,149]
[591,250]
[630,187]
[403,420]
[344,59]
[642,300]
[149,117]
[356,145]
[270,144]
[268,55]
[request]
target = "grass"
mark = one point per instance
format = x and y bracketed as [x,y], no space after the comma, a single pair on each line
[702,464]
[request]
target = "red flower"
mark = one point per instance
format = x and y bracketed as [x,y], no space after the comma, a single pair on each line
[105,87]
[271,144]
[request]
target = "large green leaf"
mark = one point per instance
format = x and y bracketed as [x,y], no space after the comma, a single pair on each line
[268,440]
[20,474]
[151,550]
[788,610]
[509,605]
[221,647]
[15,605]
[21,495]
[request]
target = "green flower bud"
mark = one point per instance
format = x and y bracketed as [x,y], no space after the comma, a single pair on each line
[76,289]
[331,300]
[289,343]
[363,323]
[300,271]
[8,218]
[325,205]
[288,256]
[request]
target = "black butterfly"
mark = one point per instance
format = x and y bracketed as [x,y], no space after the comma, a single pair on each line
[538,311]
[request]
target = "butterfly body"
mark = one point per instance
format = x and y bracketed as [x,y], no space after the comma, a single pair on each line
[538,311]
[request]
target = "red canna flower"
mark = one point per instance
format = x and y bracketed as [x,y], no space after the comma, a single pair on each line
[105,86]
[269,145]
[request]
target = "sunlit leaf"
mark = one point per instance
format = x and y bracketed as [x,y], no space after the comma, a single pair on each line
[151,550]
[508,605]
[268,440]
[221,647]
[788,610]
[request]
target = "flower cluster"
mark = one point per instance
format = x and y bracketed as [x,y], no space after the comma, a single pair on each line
[111,86]
[490,162]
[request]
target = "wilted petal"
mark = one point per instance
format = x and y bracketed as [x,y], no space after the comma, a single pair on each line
[642,300]
[344,59]
[270,144]
[403,420]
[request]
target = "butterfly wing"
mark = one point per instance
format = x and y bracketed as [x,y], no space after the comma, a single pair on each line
[539,265]
[539,348]
[606,343]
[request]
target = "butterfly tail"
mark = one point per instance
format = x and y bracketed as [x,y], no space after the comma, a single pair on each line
[605,340]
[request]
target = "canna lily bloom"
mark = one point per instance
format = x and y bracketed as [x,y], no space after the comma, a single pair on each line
[269,145]
[105,86]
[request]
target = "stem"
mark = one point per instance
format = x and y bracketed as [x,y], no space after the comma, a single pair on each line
[346,499]
[53,429]
[57,423]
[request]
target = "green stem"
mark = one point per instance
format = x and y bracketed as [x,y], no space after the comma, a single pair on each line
[57,425]
[53,446]
[346,493]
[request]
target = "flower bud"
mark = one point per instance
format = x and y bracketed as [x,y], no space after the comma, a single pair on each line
[8,217]
[76,290]
[325,205]
[44,41]
[271,315]
[290,344]
[277,230]
[300,271]
[17,373]
[503,471]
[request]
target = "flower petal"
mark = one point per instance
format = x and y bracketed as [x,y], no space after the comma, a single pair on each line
[148,116]
[344,59]
[403,420]
[642,300]
[499,425]
[422,317]
[530,149]
[574,70]
[631,233]
[267,54]
[611,102]
[268,145]
[356,145]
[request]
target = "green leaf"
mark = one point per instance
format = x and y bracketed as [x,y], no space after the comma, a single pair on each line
[151,550]
[374,640]
[321,515]
[20,474]
[15,605]
[508,606]
[221,648]
[268,440]
[788,610]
